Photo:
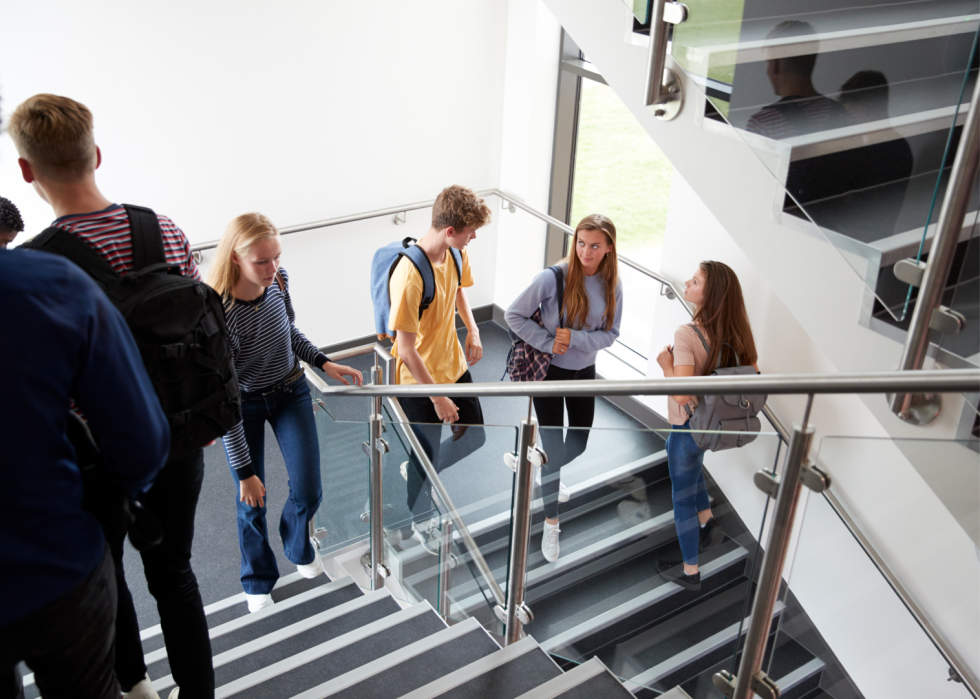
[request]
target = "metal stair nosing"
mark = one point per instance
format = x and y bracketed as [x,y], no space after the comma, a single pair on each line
[311,654]
[284,633]
[473,670]
[593,667]
[693,653]
[800,675]
[227,602]
[353,677]
[541,575]
[658,594]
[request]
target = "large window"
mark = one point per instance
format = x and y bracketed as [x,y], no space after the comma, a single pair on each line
[620,172]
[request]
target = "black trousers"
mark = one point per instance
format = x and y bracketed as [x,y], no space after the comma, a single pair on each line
[171,581]
[562,448]
[466,436]
[68,643]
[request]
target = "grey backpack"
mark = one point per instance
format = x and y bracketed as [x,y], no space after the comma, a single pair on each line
[735,414]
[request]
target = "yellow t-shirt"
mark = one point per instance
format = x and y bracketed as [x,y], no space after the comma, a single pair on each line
[436,339]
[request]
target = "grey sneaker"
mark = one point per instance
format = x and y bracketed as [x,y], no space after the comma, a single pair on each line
[632,512]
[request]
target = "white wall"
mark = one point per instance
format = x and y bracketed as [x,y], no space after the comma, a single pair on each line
[302,110]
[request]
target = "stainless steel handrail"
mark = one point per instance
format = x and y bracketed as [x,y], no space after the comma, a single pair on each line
[952,381]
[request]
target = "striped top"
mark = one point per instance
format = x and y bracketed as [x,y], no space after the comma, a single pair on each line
[108,232]
[796,116]
[265,344]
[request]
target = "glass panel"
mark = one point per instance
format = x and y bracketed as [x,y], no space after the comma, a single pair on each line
[924,524]
[852,120]
[605,595]
[640,9]
[963,296]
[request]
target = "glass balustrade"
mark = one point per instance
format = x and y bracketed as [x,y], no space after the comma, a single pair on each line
[850,109]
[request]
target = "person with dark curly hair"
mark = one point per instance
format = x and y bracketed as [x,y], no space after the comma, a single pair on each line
[10,222]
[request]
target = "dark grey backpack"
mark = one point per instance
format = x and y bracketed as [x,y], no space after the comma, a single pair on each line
[734,414]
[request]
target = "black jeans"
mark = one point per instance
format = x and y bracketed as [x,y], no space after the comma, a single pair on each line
[562,449]
[173,500]
[68,643]
[466,436]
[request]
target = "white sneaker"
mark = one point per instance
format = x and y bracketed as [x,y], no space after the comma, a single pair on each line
[632,512]
[312,569]
[635,486]
[403,469]
[427,533]
[562,490]
[173,694]
[257,602]
[142,690]
[549,542]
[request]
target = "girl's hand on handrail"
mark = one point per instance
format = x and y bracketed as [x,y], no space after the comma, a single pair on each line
[337,372]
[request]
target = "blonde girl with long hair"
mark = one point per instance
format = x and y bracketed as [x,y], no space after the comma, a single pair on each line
[267,347]
[588,322]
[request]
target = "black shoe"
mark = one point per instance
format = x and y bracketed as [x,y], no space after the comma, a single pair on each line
[673,571]
[711,535]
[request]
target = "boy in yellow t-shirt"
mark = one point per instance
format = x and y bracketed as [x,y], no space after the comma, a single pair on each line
[429,351]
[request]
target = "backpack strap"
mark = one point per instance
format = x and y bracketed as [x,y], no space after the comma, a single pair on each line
[420,260]
[560,293]
[61,242]
[458,260]
[147,238]
[708,349]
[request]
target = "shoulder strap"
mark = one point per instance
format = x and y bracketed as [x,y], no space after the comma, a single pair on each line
[458,260]
[560,286]
[280,282]
[61,242]
[147,237]
[693,327]
[420,260]
[708,349]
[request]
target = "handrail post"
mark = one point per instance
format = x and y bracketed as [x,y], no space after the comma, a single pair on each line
[377,447]
[663,88]
[520,532]
[767,590]
[446,565]
[917,407]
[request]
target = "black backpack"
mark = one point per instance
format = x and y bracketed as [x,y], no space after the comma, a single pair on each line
[178,324]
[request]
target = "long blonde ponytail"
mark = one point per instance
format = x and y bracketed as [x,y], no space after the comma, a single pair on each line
[242,233]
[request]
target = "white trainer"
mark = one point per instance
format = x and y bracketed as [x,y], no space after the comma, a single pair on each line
[427,533]
[257,602]
[312,569]
[549,542]
[142,690]
[634,486]
[632,512]
[403,469]
[534,456]
[173,694]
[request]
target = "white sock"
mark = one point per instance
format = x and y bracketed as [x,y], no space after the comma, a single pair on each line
[704,525]
[549,525]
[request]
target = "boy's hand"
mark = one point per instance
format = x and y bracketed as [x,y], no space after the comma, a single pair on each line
[252,492]
[446,409]
[474,348]
[337,372]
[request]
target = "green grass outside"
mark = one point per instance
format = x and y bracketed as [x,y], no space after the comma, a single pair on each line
[620,172]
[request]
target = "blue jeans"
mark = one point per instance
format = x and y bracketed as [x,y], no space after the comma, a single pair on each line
[290,413]
[687,489]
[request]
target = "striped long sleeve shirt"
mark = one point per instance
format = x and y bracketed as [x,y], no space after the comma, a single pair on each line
[266,345]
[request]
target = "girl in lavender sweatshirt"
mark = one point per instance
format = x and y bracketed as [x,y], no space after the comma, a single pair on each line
[593,310]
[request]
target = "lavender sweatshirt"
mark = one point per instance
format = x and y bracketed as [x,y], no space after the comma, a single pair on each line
[586,342]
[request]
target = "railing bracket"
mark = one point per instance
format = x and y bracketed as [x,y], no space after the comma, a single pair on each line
[910,272]
[664,90]
[523,614]
[946,320]
[767,482]
[724,682]
[381,445]
[509,205]
[400,218]
[814,478]
[383,569]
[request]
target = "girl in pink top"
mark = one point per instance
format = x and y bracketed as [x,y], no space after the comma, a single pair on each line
[721,317]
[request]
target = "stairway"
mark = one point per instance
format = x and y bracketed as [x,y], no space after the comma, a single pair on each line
[327,638]
[605,599]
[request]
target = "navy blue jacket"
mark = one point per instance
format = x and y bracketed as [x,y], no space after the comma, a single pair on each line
[62,339]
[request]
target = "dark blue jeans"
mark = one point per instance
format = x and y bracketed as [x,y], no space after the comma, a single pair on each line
[290,412]
[685,461]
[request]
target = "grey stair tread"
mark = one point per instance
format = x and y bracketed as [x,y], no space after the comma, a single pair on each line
[289,610]
[509,680]
[590,680]
[410,668]
[317,665]
[228,672]
[236,607]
